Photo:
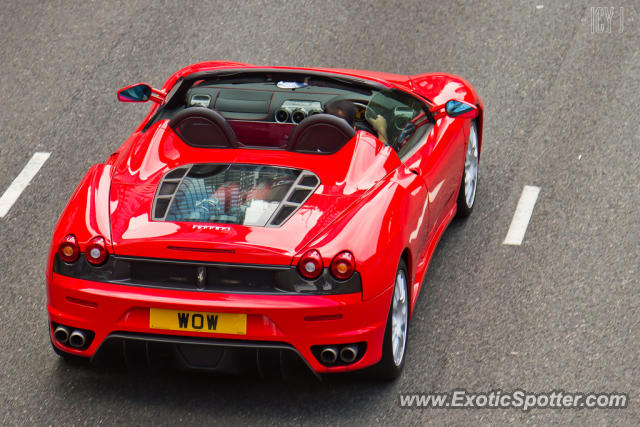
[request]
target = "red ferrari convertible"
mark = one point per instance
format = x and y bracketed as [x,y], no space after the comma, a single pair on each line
[268,214]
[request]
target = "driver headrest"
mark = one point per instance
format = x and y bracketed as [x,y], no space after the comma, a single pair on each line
[320,134]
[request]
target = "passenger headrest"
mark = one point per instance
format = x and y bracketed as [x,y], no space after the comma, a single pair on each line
[203,127]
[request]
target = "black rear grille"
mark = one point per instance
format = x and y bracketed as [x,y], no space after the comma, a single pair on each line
[221,278]
[206,277]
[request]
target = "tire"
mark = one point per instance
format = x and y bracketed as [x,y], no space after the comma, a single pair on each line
[469,182]
[391,365]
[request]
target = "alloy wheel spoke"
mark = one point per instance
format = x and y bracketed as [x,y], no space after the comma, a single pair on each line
[471,168]
[399,319]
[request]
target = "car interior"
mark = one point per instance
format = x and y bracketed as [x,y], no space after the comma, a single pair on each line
[287,111]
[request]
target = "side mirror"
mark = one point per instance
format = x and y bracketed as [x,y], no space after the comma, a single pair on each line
[461,109]
[140,92]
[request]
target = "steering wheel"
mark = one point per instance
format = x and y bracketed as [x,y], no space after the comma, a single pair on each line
[360,102]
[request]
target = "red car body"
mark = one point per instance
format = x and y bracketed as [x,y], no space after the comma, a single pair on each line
[379,207]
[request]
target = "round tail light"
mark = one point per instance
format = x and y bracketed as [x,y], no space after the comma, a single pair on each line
[68,249]
[343,265]
[310,265]
[96,251]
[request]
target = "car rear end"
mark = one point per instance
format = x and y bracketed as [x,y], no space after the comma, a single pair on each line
[301,323]
[187,278]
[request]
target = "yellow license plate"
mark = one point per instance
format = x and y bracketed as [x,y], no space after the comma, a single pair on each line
[196,321]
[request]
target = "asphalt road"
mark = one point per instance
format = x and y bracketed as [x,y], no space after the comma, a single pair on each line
[561,311]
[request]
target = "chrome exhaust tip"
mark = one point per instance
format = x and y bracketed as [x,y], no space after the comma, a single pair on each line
[77,339]
[349,353]
[61,334]
[329,355]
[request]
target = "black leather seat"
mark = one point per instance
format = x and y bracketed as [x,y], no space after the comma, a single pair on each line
[203,127]
[320,134]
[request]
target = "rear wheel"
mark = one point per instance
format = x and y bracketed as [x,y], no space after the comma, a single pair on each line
[469,183]
[394,346]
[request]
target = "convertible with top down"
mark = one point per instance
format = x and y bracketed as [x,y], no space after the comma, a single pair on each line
[263,215]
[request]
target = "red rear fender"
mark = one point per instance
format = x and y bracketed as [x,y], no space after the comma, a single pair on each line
[87,213]
[373,230]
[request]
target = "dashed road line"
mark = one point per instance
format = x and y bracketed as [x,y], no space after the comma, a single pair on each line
[522,216]
[21,181]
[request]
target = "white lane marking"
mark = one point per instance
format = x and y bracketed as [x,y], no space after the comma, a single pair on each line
[521,217]
[21,181]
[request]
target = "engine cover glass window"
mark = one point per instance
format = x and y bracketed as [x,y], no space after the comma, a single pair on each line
[254,195]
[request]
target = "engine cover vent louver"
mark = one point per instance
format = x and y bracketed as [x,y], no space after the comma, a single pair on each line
[299,192]
[167,191]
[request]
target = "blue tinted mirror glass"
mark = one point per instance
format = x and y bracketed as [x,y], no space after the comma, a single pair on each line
[138,93]
[457,108]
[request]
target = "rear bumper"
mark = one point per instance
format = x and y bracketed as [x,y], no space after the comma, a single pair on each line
[294,322]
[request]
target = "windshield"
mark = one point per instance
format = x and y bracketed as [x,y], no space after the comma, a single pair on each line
[401,113]
[233,194]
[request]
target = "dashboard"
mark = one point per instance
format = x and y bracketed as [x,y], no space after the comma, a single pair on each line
[281,102]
